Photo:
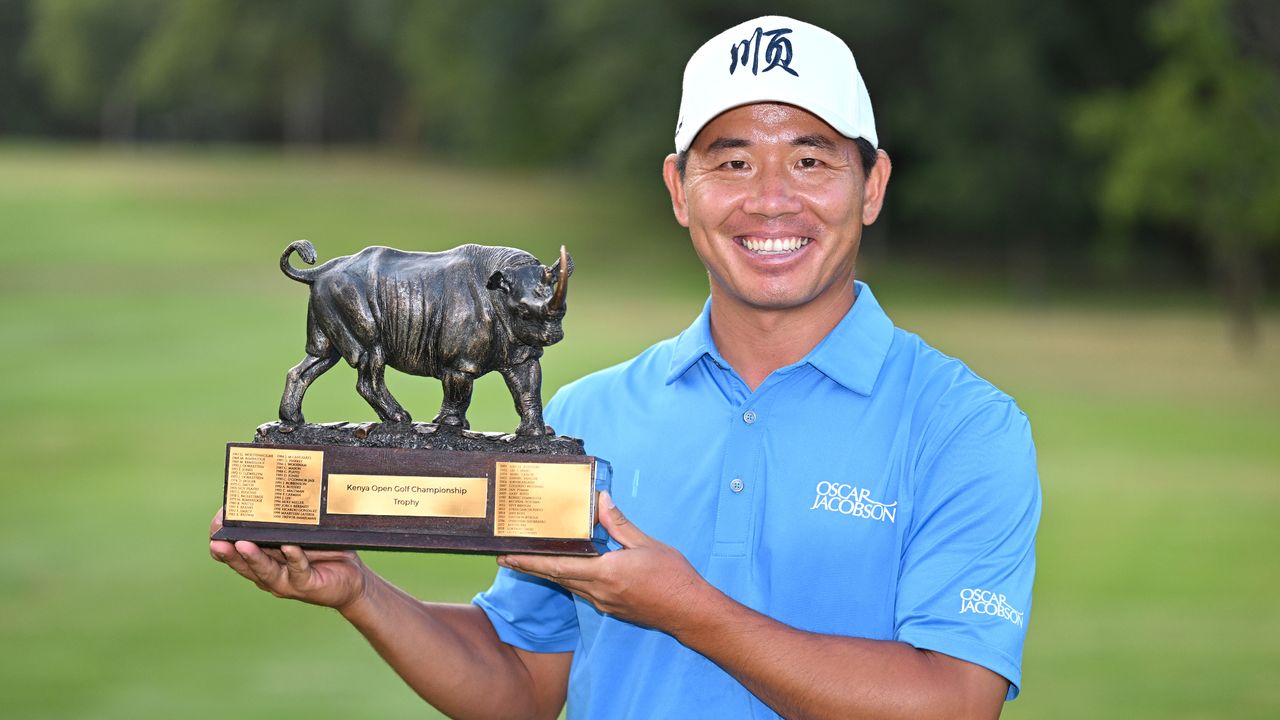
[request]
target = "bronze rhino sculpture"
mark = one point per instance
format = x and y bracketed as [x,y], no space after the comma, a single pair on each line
[454,315]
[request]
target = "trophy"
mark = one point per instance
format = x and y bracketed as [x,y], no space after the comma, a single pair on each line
[396,484]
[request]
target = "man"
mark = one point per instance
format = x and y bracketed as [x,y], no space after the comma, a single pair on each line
[815,513]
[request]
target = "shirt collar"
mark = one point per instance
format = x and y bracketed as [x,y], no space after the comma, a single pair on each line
[851,354]
[854,351]
[692,344]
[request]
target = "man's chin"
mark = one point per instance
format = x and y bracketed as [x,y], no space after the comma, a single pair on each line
[768,301]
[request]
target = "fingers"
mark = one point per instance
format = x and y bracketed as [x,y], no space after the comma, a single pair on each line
[617,524]
[296,564]
[265,566]
[254,557]
[224,552]
[216,524]
[315,556]
[231,556]
[557,568]
[561,569]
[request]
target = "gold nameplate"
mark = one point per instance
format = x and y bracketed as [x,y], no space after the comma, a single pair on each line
[410,495]
[274,485]
[542,500]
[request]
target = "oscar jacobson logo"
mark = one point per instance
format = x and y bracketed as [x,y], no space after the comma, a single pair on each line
[852,500]
[985,602]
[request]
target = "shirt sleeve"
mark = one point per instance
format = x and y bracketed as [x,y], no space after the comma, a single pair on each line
[969,560]
[528,612]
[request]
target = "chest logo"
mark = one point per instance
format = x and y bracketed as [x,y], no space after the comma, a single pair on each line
[852,500]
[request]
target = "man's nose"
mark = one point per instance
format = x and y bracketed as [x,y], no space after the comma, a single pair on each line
[774,194]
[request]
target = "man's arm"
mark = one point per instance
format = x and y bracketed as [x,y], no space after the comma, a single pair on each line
[799,674]
[808,675]
[449,654]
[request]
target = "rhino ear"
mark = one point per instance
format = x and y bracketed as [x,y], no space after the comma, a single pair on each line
[498,281]
[555,269]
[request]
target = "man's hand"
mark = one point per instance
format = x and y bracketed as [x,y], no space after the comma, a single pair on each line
[333,578]
[646,582]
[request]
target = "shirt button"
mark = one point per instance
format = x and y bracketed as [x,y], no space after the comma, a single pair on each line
[749,417]
[736,485]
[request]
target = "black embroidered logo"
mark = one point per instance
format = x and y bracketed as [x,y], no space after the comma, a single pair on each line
[777,54]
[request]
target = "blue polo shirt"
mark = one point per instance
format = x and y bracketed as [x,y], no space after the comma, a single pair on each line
[876,488]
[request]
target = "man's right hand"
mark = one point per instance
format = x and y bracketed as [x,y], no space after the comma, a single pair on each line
[333,578]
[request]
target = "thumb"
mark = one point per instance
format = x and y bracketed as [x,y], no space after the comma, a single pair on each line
[617,524]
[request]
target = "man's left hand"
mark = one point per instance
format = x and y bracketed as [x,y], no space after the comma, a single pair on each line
[646,582]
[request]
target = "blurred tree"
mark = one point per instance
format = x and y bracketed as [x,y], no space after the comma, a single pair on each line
[297,62]
[1196,146]
[201,68]
[21,109]
[221,69]
[84,51]
[974,97]
[587,83]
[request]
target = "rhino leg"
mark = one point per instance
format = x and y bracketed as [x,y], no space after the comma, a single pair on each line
[525,383]
[457,398]
[371,385]
[296,383]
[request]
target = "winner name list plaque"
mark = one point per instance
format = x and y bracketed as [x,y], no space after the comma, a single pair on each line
[407,499]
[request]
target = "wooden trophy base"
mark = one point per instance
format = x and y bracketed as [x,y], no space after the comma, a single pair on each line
[413,487]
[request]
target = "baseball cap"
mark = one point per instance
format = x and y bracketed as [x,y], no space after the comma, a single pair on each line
[775,59]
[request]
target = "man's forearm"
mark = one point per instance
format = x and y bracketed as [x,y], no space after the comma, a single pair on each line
[451,656]
[809,675]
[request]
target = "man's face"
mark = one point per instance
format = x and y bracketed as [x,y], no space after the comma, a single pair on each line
[775,201]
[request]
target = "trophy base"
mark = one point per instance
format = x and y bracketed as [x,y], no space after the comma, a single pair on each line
[350,539]
[413,487]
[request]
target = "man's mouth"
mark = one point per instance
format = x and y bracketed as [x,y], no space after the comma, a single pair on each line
[772,246]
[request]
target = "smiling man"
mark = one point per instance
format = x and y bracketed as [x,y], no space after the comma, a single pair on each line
[816,515]
[775,200]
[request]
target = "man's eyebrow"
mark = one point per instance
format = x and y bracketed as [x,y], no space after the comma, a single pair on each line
[724,143]
[822,142]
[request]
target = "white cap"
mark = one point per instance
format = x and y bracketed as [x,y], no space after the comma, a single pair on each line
[775,59]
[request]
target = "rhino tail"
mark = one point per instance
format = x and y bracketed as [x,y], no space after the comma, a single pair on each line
[307,252]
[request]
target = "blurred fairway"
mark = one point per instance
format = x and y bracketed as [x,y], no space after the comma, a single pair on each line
[146,323]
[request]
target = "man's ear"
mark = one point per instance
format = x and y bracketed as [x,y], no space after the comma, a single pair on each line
[675,186]
[874,187]
[498,281]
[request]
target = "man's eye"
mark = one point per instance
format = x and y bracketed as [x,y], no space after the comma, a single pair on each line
[736,164]
[809,162]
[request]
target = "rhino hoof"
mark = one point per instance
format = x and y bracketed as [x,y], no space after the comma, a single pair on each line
[451,422]
[534,431]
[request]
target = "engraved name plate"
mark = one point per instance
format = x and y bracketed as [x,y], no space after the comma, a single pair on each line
[268,485]
[542,500]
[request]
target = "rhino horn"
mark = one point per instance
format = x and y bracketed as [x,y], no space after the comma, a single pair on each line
[562,285]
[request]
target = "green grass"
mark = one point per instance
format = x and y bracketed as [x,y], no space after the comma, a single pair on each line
[146,324]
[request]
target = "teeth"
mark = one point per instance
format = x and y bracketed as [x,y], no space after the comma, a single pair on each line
[774,246]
